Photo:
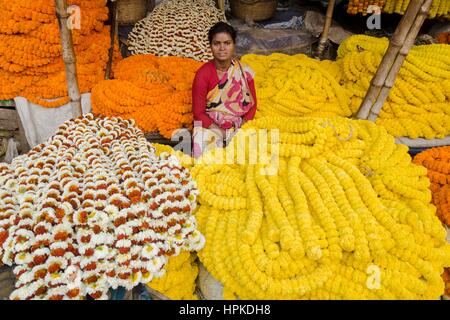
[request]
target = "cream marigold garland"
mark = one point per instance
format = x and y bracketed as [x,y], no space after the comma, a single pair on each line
[176,28]
[93,208]
[346,216]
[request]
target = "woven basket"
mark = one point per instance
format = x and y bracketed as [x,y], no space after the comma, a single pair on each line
[131,11]
[253,10]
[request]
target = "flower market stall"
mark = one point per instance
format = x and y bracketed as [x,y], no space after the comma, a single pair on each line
[334,208]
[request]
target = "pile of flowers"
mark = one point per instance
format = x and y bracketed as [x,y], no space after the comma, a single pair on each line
[444,38]
[439,8]
[179,281]
[93,208]
[343,214]
[298,86]
[31,63]
[446,277]
[418,104]
[437,162]
[154,91]
[176,28]
[362,6]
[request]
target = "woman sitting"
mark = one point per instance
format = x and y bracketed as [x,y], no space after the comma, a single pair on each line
[223,93]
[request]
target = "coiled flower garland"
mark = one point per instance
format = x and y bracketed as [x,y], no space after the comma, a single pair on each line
[93,208]
[154,91]
[439,8]
[297,86]
[31,61]
[418,104]
[437,162]
[346,216]
[176,28]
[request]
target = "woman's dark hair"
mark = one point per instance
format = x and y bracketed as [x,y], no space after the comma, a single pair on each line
[220,27]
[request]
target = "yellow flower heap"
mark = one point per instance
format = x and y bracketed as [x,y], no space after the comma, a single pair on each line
[298,86]
[439,8]
[179,281]
[419,103]
[345,216]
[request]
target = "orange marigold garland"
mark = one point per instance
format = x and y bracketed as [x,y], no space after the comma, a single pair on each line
[437,161]
[31,62]
[155,91]
[446,277]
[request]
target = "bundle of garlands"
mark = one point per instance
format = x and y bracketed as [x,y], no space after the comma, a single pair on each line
[154,91]
[319,209]
[418,104]
[93,208]
[31,63]
[176,28]
[439,8]
[437,162]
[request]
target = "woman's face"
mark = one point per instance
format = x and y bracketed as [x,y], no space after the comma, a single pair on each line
[222,46]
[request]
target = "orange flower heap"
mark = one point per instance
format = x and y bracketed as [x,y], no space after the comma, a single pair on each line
[446,277]
[31,63]
[155,91]
[437,161]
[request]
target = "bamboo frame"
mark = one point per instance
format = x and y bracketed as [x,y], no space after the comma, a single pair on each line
[113,32]
[400,44]
[404,50]
[69,58]
[326,29]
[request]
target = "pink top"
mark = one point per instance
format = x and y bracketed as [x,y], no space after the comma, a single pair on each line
[205,80]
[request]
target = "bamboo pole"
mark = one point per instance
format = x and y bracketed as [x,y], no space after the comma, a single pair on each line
[404,50]
[397,41]
[69,58]
[326,29]
[113,32]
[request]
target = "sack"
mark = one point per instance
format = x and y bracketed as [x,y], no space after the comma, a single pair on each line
[11,150]
[210,288]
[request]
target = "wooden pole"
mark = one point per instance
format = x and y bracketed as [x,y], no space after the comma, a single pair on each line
[404,50]
[397,41]
[326,29]
[69,58]
[113,32]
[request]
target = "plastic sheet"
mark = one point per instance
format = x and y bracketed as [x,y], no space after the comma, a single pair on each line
[268,41]
[41,123]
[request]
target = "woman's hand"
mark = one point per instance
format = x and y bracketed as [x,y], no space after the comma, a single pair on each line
[213,126]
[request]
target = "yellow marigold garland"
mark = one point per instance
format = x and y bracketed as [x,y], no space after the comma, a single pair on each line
[346,216]
[419,103]
[297,86]
[155,91]
[179,281]
[439,8]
